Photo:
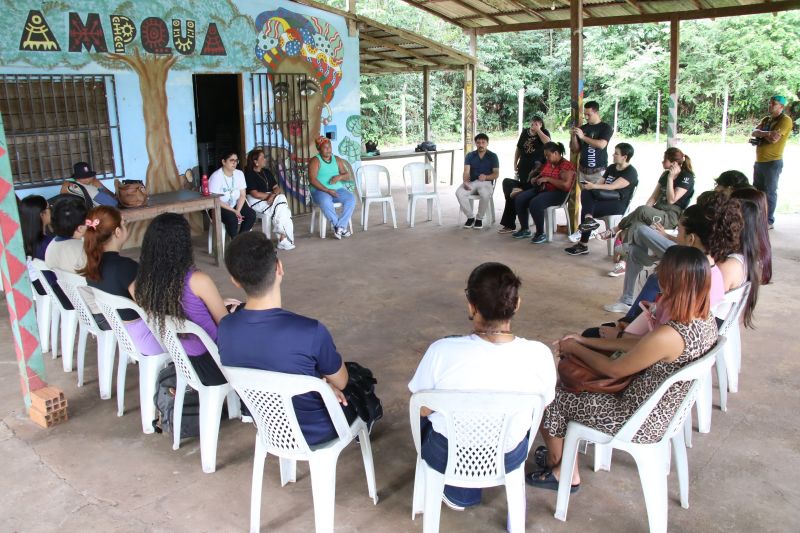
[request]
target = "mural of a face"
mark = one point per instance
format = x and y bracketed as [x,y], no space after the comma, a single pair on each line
[296,104]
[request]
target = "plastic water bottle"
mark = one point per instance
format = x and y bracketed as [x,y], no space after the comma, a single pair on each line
[204,185]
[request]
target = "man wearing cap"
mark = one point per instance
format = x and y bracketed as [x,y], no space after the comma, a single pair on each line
[84,184]
[328,175]
[770,138]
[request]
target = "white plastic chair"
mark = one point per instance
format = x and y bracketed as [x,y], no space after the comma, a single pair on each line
[368,183]
[266,223]
[149,365]
[475,198]
[550,219]
[612,221]
[43,305]
[414,180]
[211,238]
[652,460]
[72,285]
[66,318]
[211,398]
[477,423]
[728,361]
[268,396]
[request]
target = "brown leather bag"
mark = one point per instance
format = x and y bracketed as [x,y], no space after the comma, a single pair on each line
[576,376]
[131,194]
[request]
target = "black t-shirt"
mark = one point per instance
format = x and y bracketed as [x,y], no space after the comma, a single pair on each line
[629,174]
[262,181]
[116,274]
[684,180]
[531,150]
[592,157]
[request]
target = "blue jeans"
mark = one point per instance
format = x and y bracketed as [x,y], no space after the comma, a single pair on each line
[325,202]
[536,202]
[765,179]
[434,453]
[648,293]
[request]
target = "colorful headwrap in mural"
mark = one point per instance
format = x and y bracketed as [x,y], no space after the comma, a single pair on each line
[283,33]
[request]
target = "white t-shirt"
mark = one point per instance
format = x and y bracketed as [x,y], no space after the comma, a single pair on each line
[229,188]
[471,363]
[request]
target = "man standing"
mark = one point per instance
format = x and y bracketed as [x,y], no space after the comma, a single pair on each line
[591,139]
[770,139]
[481,168]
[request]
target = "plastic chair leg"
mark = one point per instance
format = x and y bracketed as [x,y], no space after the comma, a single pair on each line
[43,314]
[259,456]
[418,498]
[394,217]
[687,429]
[722,380]
[430,209]
[211,399]
[149,367]
[369,465]
[55,322]
[288,470]
[323,488]
[650,463]
[732,352]
[681,467]
[106,347]
[122,371]
[234,405]
[365,222]
[313,219]
[568,459]
[177,411]
[704,405]
[383,208]
[515,495]
[69,323]
[434,488]
[82,335]
[602,457]
[439,211]
[412,212]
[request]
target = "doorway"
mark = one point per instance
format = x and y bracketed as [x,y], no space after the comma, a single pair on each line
[218,115]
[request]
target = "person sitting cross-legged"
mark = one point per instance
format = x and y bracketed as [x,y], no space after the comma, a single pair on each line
[481,168]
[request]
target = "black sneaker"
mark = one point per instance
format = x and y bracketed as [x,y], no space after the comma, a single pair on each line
[578,249]
[539,238]
[478,224]
[469,222]
[589,224]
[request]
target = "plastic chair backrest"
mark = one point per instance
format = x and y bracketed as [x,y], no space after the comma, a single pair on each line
[172,343]
[477,423]
[41,267]
[70,283]
[694,371]
[414,177]
[369,181]
[731,307]
[110,305]
[268,396]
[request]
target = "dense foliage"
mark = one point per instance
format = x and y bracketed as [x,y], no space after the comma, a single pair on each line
[752,57]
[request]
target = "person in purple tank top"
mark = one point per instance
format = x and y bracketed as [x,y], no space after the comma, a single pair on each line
[169,284]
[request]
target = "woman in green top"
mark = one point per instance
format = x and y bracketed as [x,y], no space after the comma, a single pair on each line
[328,174]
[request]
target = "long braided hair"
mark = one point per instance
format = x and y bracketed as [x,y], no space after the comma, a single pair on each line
[166,257]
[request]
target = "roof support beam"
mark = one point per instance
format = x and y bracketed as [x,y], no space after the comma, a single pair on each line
[398,48]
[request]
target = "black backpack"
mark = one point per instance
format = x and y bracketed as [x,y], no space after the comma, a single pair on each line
[165,405]
[360,393]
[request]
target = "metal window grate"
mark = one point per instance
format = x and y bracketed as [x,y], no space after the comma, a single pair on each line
[54,121]
[281,128]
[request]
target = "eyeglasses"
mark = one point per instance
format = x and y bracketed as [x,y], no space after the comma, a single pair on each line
[233,160]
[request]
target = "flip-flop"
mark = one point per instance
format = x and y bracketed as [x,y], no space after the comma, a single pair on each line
[540,457]
[548,482]
[605,235]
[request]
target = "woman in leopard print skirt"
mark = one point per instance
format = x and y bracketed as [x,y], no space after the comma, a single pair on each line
[685,280]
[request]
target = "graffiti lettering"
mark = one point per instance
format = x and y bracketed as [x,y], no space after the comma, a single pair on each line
[37,35]
[154,36]
[184,45]
[86,35]
[123,31]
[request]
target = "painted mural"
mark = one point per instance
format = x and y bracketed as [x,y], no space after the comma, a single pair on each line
[156,41]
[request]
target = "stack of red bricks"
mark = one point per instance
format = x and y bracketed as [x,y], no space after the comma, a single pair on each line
[48,407]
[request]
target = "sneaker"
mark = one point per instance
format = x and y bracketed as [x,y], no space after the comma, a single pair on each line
[478,224]
[578,249]
[589,224]
[539,238]
[506,229]
[452,505]
[286,245]
[346,232]
[575,237]
[469,222]
[521,234]
[617,307]
[337,233]
[619,269]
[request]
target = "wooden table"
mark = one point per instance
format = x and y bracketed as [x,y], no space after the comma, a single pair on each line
[399,154]
[183,201]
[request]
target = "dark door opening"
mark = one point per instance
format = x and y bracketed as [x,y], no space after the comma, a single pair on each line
[218,115]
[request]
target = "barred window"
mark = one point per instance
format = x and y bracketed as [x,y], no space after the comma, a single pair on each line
[54,121]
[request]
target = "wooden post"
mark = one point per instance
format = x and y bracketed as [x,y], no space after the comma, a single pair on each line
[520,115]
[17,284]
[658,118]
[725,115]
[616,114]
[426,104]
[403,112]
[674,49]
[470,95]
[576,100]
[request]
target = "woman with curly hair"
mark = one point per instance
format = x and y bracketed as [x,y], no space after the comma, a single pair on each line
[169,284]
[110,272]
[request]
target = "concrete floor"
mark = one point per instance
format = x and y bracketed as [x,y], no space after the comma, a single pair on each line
[386,295]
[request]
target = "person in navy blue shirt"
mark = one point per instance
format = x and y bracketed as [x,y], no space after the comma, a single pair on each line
[264,336]
[481,168]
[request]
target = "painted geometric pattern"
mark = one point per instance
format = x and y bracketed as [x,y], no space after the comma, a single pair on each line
[16,283]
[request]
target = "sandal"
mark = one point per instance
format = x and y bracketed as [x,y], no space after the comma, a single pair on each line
[544,479]
[605,235]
